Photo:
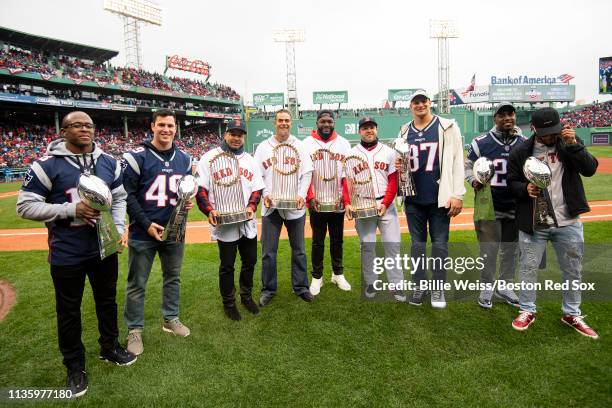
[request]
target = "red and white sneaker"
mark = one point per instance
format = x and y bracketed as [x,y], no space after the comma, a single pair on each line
[523,320]
[578,323]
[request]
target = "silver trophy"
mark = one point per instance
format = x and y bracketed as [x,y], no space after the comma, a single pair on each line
[360,187]
[226,188]
[187,188]
[285,169]
[539,174]
[94,192]
[406,184]
[483,170]
[325,183]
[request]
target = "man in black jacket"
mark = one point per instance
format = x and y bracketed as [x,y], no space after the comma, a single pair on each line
[568,159]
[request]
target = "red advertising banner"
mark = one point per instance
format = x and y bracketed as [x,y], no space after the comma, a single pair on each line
[184,64]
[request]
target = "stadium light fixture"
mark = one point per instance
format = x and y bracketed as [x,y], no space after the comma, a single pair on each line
[442,30]
[290,36]
[133,13]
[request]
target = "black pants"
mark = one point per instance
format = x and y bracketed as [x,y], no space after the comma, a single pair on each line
[248,257]
[320,223]
[69,283]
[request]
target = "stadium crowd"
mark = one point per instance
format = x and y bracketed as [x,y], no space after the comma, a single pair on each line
[18,60]
[595,115]
[22,143]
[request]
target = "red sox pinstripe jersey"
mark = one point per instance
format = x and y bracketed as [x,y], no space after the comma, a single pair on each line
[250,179]
[381,163]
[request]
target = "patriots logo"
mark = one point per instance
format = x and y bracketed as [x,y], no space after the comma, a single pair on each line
[28,177]
[124,164]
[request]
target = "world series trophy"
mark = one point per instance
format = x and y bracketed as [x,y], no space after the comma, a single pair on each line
[325,183]
[360,187]
[539,174]
[94,192]
[285,169]
[227,189]
[187,187]
[406,184]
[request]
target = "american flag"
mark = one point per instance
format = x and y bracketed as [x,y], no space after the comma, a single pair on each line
[565,78]
[470,87]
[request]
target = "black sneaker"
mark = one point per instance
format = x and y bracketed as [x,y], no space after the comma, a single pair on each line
[417,296]
[370,292]
[306,296]
[77,382]
[232,312]
[250,305]
[118,355]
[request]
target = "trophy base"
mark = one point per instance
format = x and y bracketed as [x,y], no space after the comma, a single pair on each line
[365,213]
[231,218]
[108,236]
[330,207]
[284,204]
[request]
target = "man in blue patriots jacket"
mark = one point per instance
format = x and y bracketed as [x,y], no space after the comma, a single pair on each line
[151,176]
[49,194]
[436,163]
[501,234]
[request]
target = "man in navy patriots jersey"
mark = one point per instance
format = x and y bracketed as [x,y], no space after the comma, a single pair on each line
[499,235]
[49,194]
[151,176]
[436,163]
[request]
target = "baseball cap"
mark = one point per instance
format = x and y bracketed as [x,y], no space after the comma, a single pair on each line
[365,120]
[546,121]
[503,106]
[325,112]
[419,92]
[236,124]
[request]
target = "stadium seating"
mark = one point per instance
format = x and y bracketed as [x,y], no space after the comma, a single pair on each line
[22,143]
[73,68]
[590,116]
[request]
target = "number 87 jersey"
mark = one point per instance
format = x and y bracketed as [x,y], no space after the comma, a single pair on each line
[151,180]
[498,151]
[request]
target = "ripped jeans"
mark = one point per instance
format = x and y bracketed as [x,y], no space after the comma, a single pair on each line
[568,243]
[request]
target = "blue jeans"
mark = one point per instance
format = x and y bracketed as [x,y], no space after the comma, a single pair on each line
[568,242]
[141,256]
[271,226]
[419,218]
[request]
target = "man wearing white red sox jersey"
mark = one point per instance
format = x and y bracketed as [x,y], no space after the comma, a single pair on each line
[381,163]
[240,236]
[326,165]
[273,219]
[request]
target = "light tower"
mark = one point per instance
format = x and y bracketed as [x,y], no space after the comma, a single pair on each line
[133,12]
[442,30]
[290,36]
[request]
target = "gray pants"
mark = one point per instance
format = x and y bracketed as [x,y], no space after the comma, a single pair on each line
[390,235]
[271,226]
[499,236]
[141,256]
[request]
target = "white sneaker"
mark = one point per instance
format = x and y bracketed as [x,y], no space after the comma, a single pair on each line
[315,286]
[437,299]
[340,280]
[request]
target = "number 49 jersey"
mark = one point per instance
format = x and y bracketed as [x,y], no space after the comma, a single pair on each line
[489,146]
[156,178]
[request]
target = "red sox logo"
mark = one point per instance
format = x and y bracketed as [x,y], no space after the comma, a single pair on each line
[319,156]
[227,172]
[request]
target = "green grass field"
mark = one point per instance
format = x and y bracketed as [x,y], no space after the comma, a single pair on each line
[598,187]
[337,351]
[601,151]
